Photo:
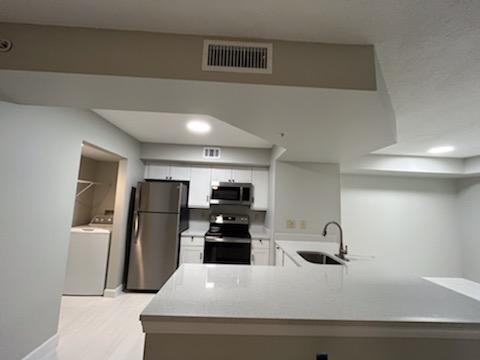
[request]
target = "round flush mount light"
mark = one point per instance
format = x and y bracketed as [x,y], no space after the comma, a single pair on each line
[199,126]
[441,149]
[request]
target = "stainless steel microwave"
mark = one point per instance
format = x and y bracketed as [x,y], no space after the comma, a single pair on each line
[229,193]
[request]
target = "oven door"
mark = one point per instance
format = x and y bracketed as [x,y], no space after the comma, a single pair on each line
[227,250]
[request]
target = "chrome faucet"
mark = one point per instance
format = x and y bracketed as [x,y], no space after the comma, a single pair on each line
[341,252]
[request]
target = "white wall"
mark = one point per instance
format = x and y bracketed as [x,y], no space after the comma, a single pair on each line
[409,224]
[306,191]
[39,157]
[469,221]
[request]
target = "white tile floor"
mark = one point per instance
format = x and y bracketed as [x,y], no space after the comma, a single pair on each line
[98,328]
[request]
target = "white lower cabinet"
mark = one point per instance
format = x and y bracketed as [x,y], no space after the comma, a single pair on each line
[288,262]
[260,252]
[279,256]
[282,259]
[191,250]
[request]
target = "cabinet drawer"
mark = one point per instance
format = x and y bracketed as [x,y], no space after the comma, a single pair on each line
[192,241]
[260,244]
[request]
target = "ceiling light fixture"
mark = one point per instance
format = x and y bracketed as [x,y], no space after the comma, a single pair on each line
[441,149]
[199,126]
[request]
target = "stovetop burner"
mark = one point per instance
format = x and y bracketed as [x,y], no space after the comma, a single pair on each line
[232,226]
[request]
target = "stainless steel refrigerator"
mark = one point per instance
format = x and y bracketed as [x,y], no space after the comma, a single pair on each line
[160,215]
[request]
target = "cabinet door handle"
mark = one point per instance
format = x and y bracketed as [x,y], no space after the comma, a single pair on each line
[201,256]
[253,259]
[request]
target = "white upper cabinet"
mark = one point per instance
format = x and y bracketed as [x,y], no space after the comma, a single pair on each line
[157,172]
[242,175]
[221,175]
[201,178]
[260,189]
[200,187]
[180,172]
[167,172]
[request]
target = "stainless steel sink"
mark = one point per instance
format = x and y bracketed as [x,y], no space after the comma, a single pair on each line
[317,257]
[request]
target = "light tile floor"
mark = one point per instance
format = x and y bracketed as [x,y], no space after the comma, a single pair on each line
[98,328]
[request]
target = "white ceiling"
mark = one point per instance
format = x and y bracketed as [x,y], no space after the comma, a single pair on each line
[158,127]
[429,50]
[319,125]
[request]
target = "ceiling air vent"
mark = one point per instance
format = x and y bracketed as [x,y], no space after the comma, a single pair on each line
[211,153]
[236,56]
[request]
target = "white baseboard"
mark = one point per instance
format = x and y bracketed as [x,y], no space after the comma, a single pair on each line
[44,349]
[111,293]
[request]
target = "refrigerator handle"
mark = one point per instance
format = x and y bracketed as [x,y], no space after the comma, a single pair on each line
[136,226]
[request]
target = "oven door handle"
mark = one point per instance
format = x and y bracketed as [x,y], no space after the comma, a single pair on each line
[227,240]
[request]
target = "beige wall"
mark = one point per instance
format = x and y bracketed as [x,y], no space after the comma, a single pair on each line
[98,198]
[144,54]
[83,204]
[194,154]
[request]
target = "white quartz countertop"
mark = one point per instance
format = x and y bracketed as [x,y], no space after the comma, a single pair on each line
[308,293]
[261,234]
[197,231]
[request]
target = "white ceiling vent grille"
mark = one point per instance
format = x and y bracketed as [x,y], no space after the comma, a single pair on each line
[237,56]
[211,153]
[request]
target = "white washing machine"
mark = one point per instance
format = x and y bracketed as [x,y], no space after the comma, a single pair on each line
[88,257]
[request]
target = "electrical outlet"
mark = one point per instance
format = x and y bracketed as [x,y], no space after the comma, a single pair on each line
[290,224]
[303,224]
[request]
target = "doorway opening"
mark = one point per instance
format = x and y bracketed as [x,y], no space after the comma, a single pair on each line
[92,224]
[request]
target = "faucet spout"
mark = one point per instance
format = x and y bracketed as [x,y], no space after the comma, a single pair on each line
[342,251]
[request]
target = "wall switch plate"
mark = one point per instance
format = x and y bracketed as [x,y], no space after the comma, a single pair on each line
[290,224]
[303,224]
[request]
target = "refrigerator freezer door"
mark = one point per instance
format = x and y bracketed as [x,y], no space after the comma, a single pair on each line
[155,196]
[153,251]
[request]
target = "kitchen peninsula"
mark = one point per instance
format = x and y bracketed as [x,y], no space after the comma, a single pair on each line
[347,311]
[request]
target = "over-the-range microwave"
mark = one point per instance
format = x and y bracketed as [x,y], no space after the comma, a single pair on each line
[230,193]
